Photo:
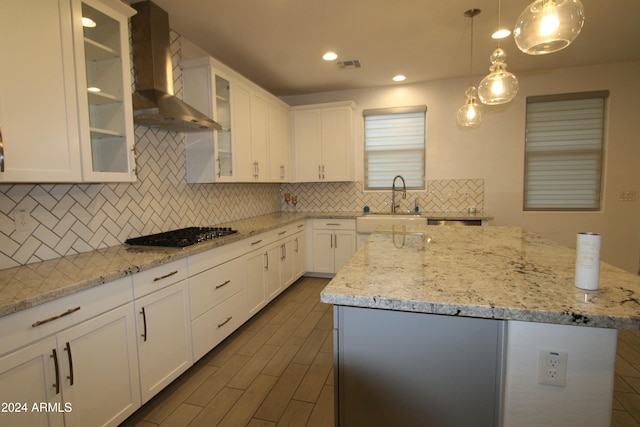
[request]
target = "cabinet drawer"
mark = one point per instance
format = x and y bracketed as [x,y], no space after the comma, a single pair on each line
[334,224]
[26,326]
[211,287]
[159,277]
[218,323]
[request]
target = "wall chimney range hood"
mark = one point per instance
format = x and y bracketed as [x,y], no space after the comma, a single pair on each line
[154,103]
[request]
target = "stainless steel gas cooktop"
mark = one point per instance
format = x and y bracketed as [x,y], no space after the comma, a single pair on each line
[182,237]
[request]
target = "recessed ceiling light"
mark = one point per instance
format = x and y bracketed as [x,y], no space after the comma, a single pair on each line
[330,56]
[399,78]
[500,34]
[88,22]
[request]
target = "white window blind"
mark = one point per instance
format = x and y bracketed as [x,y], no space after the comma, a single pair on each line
[394,144]
[564,151]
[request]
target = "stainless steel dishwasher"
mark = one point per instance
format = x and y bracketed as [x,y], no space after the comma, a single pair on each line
[455,222]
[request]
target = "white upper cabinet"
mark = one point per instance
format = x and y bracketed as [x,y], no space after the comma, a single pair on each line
[210,154]
[52,129]
[38,102]
[323,142]
[279,143]
[254,144]
[104,90]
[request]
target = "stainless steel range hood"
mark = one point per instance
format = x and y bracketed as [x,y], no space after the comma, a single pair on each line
[154,103]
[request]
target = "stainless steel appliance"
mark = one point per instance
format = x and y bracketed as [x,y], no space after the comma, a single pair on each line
[182,237]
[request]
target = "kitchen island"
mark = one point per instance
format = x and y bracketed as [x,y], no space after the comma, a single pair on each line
[449,326]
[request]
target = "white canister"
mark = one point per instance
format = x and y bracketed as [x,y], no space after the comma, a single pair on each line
[588,261]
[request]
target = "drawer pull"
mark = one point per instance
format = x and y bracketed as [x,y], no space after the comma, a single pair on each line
[1,153]
[51,319]
[57,369]
[300,225]
[165,276]
[225,283]
[144,324]
[220,325]
[334,224]
[256,242]
[68,350]
[282,232]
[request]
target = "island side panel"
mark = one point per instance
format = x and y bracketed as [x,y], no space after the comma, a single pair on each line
[587,396]
[414,369]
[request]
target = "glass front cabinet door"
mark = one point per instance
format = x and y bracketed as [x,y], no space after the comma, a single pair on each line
[210,154]
[104,90]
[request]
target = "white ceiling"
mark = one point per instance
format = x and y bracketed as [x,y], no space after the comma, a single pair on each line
[278,44]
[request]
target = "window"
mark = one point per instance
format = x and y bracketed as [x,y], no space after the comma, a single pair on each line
[394,141]
[563,151]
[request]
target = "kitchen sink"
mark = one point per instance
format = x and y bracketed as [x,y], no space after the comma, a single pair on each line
[369,222]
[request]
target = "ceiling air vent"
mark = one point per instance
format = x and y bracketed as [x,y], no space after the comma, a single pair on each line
[345,65]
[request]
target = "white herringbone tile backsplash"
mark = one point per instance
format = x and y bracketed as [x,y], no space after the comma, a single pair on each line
[451,195]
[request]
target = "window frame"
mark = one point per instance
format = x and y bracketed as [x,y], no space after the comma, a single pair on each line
[526,202]
[391,111]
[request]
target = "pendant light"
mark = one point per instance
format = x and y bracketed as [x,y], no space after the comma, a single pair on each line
[500,86]
[470,114]
[547,26]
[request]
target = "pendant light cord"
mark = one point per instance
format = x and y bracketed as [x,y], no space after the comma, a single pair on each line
[471,55]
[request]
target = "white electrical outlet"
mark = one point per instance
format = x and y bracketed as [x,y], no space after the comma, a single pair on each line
[552,368]
[22,219]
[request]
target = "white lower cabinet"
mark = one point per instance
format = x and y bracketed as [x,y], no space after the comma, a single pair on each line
[334,242]
[269,269]
[218,304]
[164,337]
[28,377]
[98,369]
[84,375]
[299,255]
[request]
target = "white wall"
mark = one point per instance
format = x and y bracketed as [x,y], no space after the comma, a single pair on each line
[495,151]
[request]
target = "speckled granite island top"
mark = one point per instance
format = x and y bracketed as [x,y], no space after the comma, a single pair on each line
[486,272]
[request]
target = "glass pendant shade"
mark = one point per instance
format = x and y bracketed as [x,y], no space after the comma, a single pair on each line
[500,86]
[470,114]
[547,26]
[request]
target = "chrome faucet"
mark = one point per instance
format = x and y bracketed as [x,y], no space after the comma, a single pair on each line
[393,193]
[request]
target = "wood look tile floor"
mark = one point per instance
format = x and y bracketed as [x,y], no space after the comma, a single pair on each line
[277,370]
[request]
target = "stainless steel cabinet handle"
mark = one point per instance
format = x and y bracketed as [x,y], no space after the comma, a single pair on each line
[335,236]
[319,172]
[68,350]
[135,159]
[283,252]
[144,323]
[297,244]
[266,265]
[165,276]
[54,355]
[51,319]
[334,224]
[1,152]
[322,171]
[220,325]
[218,168]
[225,283]
[256,242]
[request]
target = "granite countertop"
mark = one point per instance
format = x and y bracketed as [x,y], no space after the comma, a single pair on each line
[486,272]
[32,284]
